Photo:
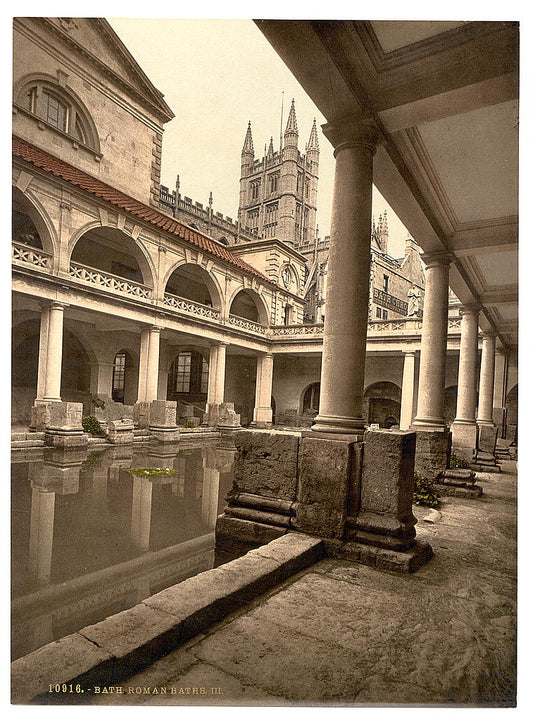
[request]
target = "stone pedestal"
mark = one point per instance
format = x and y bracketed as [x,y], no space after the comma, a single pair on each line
[228,420]
[433,450]
[485,457]
[64,428]
[120,432]
[40,415]
[162,425]
[464,440]
[141,414]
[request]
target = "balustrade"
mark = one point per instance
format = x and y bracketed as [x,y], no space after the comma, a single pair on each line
[246,324]
[22,253]
[190,306]
[107,281]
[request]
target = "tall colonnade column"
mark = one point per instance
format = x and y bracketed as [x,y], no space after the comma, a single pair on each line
[432,438]
[263,391]
[408,390]
[464,429]
[346,308]
[149,364]
[486,380]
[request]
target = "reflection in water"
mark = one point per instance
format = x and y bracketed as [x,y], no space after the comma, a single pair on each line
[90,539]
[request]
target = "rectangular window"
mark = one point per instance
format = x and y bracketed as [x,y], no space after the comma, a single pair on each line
[378,312]
[54,111]
[254,189]
[204,380]
[183,373]
[385,283]
[385,314]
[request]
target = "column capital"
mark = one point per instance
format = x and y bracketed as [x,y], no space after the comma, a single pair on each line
[488,334]
[352,132]
[409,353]
[470,309]
[438,258]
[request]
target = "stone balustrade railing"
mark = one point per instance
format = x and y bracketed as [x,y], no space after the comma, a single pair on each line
[190,306]
[400,327]
[108,281]
[22,253]
[246,324]
[297,330]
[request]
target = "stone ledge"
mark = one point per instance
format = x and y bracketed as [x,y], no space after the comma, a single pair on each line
[111,650]
[384,558]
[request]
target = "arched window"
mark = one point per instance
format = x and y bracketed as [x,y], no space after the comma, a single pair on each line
[54,105]
[120,366]
[311,399]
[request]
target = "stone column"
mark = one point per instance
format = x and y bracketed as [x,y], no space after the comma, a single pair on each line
[216,383]
[464,429]
[217,373]
[500,388]
[486,380]
[430,411]
[263,391]
[408,390]
[152,370]
[43,346]
[433,441]
[346,309]
[54,353]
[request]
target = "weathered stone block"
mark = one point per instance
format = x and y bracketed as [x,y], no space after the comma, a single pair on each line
[65,416]
[135,637]
[385,517]
[238,534]
[163,414]
[120,432]
[433,450]
[325,473]
[141,414]
[266,463]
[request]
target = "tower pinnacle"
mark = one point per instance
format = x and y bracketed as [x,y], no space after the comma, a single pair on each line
[313,138]
[248,146]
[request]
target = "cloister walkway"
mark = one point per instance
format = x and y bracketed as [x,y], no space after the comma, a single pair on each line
[341,634]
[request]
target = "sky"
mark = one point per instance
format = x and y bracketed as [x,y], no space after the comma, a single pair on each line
[216,75]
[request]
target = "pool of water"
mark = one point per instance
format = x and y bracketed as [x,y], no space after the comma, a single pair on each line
[90,538]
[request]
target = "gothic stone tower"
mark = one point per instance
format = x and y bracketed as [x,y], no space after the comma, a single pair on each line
[278,194]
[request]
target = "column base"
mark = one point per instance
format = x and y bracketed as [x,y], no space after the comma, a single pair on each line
[342,427]
[120,432]
[458,482]
[433,450]
[464,439]
[385,558]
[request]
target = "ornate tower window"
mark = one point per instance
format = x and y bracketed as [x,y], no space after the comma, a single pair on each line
[273,182]
[255,185]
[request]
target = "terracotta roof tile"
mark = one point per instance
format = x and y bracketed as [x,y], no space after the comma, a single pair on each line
[41,159]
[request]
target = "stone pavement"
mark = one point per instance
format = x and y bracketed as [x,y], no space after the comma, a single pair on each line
[340,634]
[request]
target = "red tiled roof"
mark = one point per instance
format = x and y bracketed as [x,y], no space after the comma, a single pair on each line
[41,159]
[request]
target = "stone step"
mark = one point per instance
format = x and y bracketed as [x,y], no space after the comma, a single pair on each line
[28,443]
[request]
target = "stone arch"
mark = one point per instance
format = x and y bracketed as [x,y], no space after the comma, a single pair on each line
[381,404]
[249,304]
[114,251]
[29,218]
[310,400]
[195,282]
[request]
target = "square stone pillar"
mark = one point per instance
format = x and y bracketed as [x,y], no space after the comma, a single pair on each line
[328,474]
[64,428]
[141,414]
[433,450]
[162,423]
